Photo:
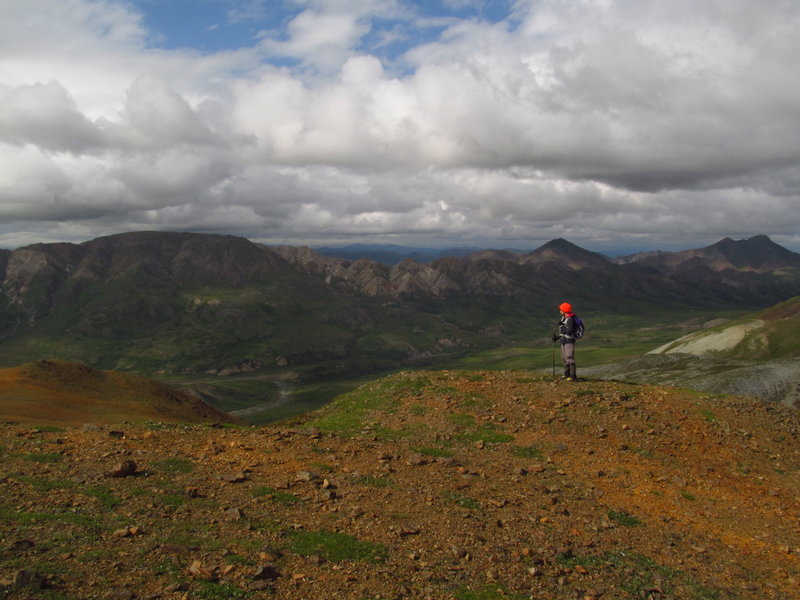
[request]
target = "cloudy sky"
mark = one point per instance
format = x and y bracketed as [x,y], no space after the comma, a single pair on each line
[611,123]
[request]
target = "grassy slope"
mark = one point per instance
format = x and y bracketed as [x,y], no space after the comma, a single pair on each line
[611,338]
[772,334]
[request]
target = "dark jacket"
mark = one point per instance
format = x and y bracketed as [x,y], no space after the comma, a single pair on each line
[566,329]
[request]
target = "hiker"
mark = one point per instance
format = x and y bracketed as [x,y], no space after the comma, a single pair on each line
[568,332]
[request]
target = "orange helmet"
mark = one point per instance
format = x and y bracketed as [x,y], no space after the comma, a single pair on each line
[565,307]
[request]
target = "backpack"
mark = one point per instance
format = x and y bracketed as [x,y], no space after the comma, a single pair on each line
[580,329]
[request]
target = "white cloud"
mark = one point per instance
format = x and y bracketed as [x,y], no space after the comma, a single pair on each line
[588,120]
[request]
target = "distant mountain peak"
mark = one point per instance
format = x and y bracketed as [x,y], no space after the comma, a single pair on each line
[758,254]
[567,253]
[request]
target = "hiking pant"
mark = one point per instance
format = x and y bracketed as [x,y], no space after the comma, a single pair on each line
[568,357]
[568,353]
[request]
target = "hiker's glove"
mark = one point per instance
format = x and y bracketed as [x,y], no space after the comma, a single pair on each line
[555,338]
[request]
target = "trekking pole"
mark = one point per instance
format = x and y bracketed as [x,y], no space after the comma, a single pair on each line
[554,352]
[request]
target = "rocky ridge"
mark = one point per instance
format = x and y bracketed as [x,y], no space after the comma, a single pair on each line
[442,485]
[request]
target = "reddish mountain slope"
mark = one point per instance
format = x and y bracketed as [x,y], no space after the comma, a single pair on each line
[55,392]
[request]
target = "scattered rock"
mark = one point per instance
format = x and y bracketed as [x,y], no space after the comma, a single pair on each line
[259,585]
[124,469]
[305,476]
[126,532]
[234,477]
[270,554]
[198,571]
[232,514]
[268,572]
[416,459]
[120,595]
[406,530]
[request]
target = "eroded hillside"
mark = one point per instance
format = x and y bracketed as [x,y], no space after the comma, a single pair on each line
[53,392]
[440,485]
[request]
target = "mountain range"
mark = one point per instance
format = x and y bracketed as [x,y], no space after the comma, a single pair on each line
[186,303]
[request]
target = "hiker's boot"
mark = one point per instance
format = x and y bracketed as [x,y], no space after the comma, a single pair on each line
[573,376]
[566,372]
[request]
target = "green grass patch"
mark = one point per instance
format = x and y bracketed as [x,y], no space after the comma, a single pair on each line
[103,495]
[277,496]
[173,500]
[435,452]
[488,433]
[66,518]
[385,434]
[641,572]
[462,500]
[322,467]
[93,556]
[474,401]
[371,481]
[489,592]
[348,413]
[172,466]
[213,590]
[193,533]
[44,485]
[644,453]
[708,416]
[688,495]
[236,559]
[462,419]
[335,547]
[623,519]
[526,452]
[41,457]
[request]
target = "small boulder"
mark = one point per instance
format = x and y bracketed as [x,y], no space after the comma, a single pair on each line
[124,469]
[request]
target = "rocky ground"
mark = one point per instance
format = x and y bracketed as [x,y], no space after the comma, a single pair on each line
[440,485]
